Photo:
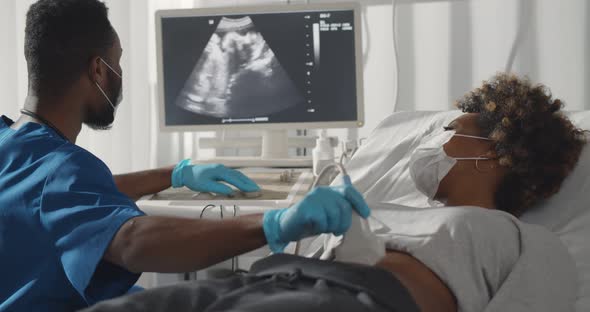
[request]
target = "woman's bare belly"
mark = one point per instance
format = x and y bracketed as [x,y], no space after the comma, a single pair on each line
[428,291]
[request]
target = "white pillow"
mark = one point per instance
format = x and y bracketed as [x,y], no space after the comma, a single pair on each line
[567,214]
[380,171]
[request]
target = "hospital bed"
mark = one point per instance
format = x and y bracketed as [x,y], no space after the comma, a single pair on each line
[380,171]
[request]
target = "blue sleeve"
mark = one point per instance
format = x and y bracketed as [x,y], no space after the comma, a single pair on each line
[82,210]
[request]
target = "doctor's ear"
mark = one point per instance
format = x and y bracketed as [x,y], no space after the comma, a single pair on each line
[95,70]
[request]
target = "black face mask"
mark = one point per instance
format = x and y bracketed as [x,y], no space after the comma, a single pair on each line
[103,119]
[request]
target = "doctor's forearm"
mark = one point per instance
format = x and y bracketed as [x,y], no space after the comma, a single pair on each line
[172,245]
[138,184]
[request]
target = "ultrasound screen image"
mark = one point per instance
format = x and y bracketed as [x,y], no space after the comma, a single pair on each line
[259,68]
[238,76]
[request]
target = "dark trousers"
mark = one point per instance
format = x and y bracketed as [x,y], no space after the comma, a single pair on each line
[281,283]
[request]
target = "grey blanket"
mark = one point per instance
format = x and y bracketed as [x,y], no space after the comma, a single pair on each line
[279,283]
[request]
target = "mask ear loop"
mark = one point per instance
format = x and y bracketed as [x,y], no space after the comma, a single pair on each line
[106,96]
[483,158]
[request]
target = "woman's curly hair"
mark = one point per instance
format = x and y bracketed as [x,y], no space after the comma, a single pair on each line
[533,139]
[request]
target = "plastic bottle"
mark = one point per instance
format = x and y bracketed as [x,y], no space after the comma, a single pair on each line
[323,153]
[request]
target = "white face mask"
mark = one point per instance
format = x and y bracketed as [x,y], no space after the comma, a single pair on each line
[429,163]
[119,96]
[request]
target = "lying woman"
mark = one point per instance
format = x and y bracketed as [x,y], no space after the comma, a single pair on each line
[511,149]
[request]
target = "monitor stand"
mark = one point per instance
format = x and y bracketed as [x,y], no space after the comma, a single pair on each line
[275,153]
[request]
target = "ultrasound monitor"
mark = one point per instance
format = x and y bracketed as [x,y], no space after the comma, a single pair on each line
[268,68]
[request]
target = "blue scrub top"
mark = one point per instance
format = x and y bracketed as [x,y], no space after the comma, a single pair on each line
[59,210]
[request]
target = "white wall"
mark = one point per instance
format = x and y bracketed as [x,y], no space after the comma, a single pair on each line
[445,49]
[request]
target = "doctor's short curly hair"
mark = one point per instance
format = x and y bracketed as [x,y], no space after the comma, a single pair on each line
[533,139]
[61,37]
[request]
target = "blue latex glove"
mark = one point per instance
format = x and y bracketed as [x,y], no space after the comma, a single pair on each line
[206,178]
[323,210]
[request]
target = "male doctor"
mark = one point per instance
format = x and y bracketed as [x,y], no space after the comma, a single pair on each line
[70,233]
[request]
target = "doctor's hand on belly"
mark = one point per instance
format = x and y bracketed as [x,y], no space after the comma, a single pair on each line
[323,210]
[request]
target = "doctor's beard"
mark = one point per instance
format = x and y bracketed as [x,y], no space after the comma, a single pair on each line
[105,116]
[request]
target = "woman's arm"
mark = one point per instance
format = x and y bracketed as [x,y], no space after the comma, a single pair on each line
[429,292]
[138,184]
